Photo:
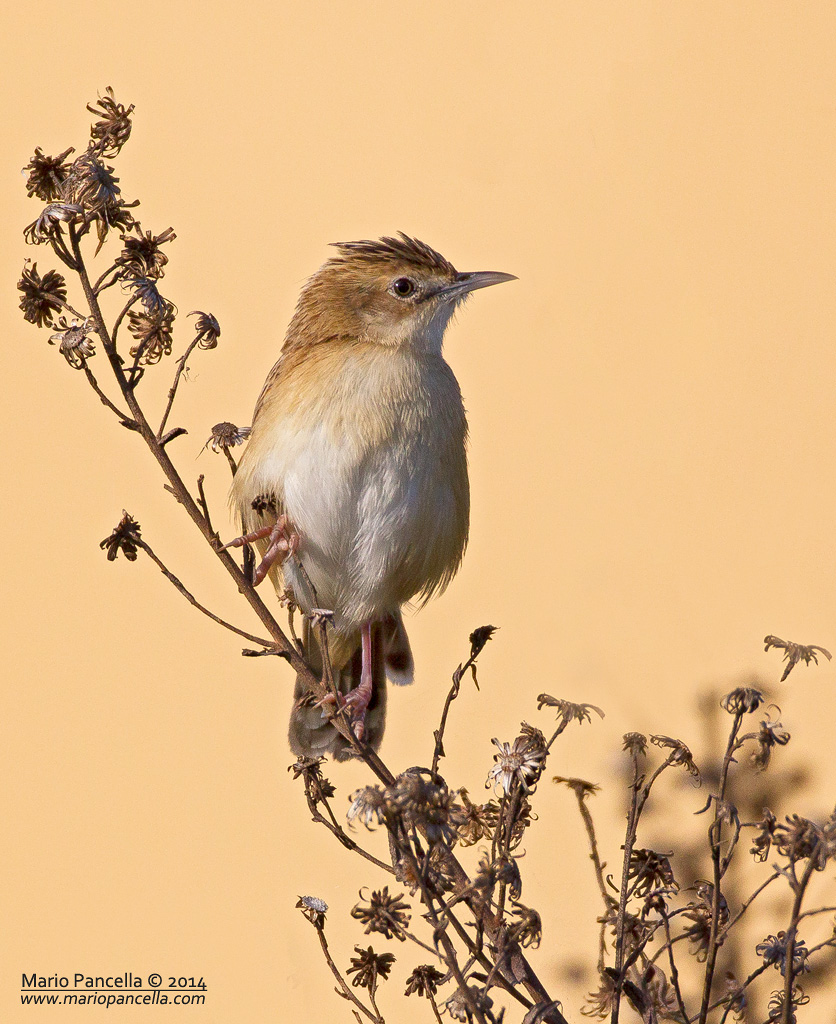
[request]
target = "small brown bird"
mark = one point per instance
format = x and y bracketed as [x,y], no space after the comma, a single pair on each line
[354,482]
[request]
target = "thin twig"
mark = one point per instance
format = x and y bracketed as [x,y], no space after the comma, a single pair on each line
[172,391]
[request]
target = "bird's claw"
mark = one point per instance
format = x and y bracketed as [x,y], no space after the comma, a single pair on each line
[282,542]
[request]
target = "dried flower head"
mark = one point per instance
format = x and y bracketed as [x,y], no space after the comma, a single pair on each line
[580,787]
[518,761]
[368,967]
[700,913]
[776,1005]
[764,836]
[41,297]
[479,637]
[635,744]
[423,981]
[384,913]
[226,435]
[566,710]
[771,735]
[125,538]
[314,909]
[793,652]
[458,1007]
[208,329]
[599,1003]
[420,800]
[649,870]
[368,805]
[801,839]
[773,951]
[503,869]
[152,330]
[473,822]
[527,928]
[93,185]
[113,129]
[310,771]
[736,997]
[44,229]
[47,174]
[680,754]
[74,341]
[742,701]
[141,254]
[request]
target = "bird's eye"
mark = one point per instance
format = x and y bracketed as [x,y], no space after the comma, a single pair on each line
[403,287]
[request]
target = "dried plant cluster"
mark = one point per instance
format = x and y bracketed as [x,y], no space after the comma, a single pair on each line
[453,892]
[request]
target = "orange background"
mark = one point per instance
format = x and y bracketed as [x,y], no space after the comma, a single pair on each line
[652,459]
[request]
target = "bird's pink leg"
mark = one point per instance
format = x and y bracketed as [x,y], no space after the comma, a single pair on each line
[283,541]
[357,700]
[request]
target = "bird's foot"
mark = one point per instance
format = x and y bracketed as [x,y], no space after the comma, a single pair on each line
[355,702]
[282,542]
[321,617]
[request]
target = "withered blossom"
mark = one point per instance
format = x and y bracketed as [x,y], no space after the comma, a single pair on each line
[47,174]
[700,913]
[74,341]
[368,805]
[600,1003]
[125,538]
[473,822]
[527,928]
[801,839]
[580,787]
[142,256]
[518,761]
[109,134]
[423,801]
[764,835]
[742,701]
[457,1005]
[314,909]
[681,754]
[635,744]
[503,869]
[43,229]
[423,981]
[369,967]
[773,951]
[794,653]
[310,771]
[152,331]
[771,735]
[92,184]
[208,329]
[776,1005]
[568,711]
[736,1000]
[227,435]
[534,737]
[650,870]
[384,913]
[41,297]
[479,637]
[146,291]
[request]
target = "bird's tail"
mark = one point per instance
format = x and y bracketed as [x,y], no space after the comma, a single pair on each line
[311,733]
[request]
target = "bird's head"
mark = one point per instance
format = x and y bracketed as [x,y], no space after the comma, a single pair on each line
[394,291]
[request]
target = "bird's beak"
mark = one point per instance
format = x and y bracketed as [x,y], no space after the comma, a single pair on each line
[469,282]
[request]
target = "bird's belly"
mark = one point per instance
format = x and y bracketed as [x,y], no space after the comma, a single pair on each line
[375,530]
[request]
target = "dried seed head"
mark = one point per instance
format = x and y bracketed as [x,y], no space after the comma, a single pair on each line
[45,228]
[635,744]
[423,981]
[368,805]
[41,297]
[369,967]
[680,754]
[527,928]
[742,701]
[580,787]
[764,836]
[771,734]
[113,129]
[74,341]
[226,435]
[519,761]
[142,256]
[125,538]
[47,174]
[384,913]
[473,822]
[566,710]
[773,951]
[794,653]
[152,330]
[208,329]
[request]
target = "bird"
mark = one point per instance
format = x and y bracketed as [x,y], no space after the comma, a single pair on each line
[354,482]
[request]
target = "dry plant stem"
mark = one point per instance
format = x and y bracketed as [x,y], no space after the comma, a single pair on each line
[674,971]
[745,906]
[435,1008]
[124,419]
[715,835]
[438,751]
[336,829]
[204,505]
[374,1017]
[789,972]
[193,601]
[632,822]
[172,391]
